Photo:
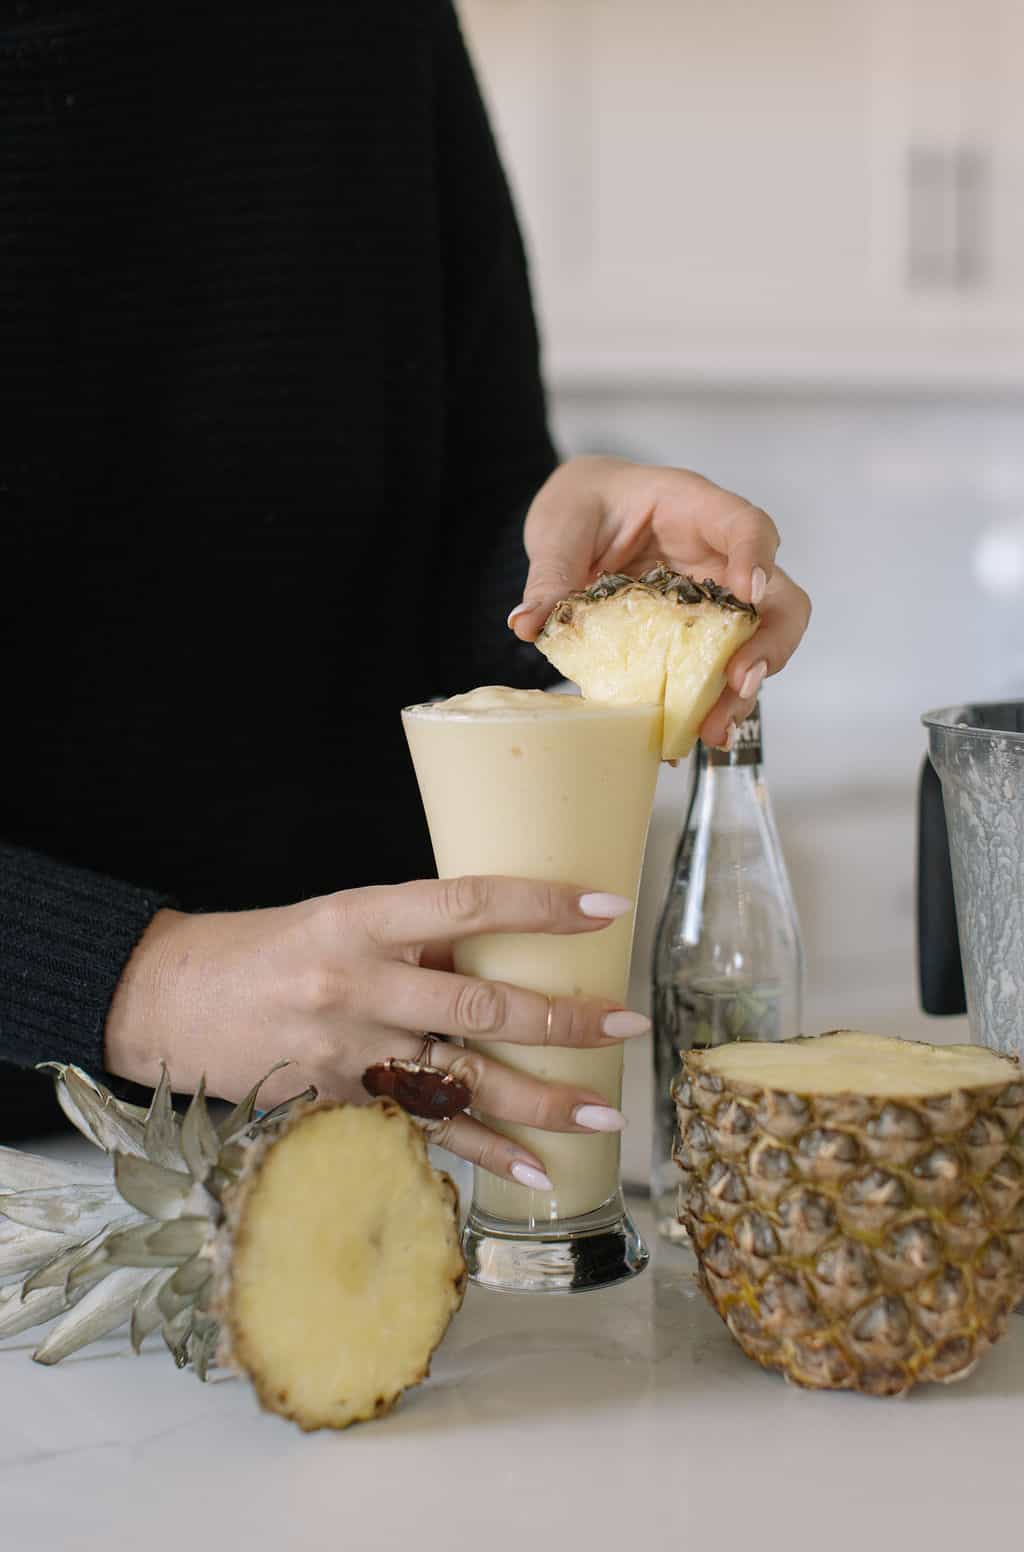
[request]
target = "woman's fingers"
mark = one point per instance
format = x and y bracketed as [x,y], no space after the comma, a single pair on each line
[785,611]
[509,1095]
[439,910]
[472,1140]
[408,998]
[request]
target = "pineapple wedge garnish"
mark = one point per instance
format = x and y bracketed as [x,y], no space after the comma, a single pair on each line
[313,1248]
[660,640]
[855,1203]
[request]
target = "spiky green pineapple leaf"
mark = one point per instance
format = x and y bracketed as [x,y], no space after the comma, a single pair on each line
[101,1310]
[192,1275]
[19,1314]
[199,1142]
[205,1333]
[170,1302]
[161,1134]
[108,1122]
[155,1190]
[176,1333]
[80,1210]
[243,1113]
[182,1238]
[21,1249]
[146,1312]
[53,1271]
[307,1097]
[30,1172]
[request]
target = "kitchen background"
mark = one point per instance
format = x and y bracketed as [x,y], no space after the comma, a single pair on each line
[782,242]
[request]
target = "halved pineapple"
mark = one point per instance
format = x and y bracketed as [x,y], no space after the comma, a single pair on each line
[313,1248]
[345,1266]
[856,1203]
[661,639]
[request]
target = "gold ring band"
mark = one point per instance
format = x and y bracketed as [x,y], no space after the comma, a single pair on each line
[550,1021]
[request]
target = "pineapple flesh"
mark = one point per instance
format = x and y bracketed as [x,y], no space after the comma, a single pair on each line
[661,640]
[856,1203]
[312,1248]
[345,1266]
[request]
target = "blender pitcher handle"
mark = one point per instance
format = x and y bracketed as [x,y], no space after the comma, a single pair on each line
[939,966]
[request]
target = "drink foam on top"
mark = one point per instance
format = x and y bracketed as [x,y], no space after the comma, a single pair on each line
[499,700]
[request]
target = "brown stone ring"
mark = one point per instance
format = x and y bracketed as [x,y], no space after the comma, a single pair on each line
[421,1089]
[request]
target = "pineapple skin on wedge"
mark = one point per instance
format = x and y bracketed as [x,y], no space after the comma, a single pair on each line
[856,1204]
[662,639]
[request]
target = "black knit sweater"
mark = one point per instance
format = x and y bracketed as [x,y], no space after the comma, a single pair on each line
[271,415]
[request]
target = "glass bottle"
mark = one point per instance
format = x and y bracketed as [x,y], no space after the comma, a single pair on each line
[727,962]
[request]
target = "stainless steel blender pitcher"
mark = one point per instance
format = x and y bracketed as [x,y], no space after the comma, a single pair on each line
[977,751]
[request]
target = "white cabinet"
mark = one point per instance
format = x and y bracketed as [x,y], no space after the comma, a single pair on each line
[735,189]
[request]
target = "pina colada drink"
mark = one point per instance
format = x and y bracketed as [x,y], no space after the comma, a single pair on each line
[531,785]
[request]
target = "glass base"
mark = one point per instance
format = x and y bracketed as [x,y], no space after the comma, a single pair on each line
[571,1255]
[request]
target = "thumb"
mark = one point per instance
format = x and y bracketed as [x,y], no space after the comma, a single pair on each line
[560,560]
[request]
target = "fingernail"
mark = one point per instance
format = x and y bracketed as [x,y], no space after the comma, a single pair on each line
[599,1118]
[758,585]
[753,681]
[624,1025]
[729,739]
[516,612]
[533,1179]
[606,906]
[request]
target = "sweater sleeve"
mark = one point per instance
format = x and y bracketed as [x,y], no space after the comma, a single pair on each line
[66,933]
[498,449]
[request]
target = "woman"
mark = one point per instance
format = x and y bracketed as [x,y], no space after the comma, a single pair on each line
[274,418]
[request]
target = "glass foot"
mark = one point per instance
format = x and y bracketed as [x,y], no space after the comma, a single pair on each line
[570,1255]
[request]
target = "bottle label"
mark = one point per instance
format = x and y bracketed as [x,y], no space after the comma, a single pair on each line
[746,746]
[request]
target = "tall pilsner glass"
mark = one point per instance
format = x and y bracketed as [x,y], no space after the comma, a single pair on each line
[529,785]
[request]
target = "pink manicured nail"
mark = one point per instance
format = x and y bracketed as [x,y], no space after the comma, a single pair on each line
[753,681]
[599,1118]
[606,906]
[533,1179]
[758,585]
[624,1025]
[516,612]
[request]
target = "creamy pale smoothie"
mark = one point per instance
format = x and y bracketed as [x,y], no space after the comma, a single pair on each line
[531,785]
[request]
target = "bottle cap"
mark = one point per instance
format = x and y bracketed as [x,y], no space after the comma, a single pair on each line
[746,746]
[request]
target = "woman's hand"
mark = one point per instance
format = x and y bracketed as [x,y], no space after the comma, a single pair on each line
[338,983]
[603,514]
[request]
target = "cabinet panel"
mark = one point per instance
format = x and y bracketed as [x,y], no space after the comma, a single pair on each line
[803,189]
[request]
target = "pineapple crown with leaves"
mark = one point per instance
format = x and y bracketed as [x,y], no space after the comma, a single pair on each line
[96,1249]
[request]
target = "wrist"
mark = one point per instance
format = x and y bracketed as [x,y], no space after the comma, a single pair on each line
[136,1027]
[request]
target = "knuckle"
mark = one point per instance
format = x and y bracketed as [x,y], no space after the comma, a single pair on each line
[546,1109]
[480,1007]
[771,526]
[464,899]
[467,1068]
[493,1152]
[547,900]
[322,988]
[570,1024]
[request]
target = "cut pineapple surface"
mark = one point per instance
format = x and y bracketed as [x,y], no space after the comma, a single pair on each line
[312,1247]
[850,1061]
[661,639]
[856,1203]
[346,1267]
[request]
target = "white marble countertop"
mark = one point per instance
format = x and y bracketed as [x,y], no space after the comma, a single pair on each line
[618,1419]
